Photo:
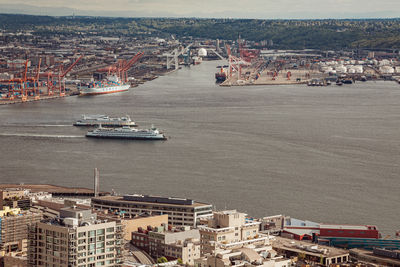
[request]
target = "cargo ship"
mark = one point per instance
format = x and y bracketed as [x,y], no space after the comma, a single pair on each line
[96,120]
[127,132]
[112,84]
[221,75]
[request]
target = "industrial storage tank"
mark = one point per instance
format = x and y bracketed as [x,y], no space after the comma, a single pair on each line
[386,69]
[341,69]
[359,69]
[202,52]
[351,71]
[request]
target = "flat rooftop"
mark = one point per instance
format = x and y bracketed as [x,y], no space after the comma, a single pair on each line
[144,200]
[300,247]
[158,199]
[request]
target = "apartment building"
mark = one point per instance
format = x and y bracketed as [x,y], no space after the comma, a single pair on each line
[14,198]
[187,250]
[76,238]
[181,212]
[134,224]
[226,227]
[14,229]
[172,243]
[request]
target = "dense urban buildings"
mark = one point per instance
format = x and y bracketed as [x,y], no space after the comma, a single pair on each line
[136,229]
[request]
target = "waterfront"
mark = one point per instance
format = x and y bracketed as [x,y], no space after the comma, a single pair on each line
[325,154]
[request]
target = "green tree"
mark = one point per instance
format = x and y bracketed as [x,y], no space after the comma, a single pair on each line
[162,260]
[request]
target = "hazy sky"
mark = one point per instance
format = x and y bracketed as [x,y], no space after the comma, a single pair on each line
[209,8]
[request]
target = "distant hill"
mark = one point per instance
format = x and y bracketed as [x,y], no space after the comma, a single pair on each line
[285,34]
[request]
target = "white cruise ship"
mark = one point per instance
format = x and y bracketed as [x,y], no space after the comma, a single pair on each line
[96,120]
[112,84]
[127,132]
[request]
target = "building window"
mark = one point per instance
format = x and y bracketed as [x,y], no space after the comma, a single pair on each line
[82,234]
[100,231]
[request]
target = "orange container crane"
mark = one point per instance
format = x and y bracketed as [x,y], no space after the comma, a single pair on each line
[17,85]
[35,81]
[121,67]
[60,86]
[124,69]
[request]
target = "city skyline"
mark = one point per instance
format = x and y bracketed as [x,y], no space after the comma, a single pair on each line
[257,9]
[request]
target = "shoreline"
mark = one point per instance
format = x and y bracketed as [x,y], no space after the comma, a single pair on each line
[141,80]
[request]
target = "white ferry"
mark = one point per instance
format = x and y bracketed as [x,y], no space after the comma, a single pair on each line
[127,132]
[96,120]
[112,84]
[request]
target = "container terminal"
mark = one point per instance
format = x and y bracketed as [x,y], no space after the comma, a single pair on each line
[250,66]
[36,68]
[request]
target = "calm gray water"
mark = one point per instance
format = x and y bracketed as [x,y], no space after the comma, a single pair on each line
[328,154]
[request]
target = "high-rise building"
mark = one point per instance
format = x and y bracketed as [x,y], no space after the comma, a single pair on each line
[76,238]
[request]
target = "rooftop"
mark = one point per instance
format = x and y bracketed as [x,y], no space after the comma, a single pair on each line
[306,247]
[158,199]
[121,199]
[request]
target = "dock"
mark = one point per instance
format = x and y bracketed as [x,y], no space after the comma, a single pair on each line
[55,190]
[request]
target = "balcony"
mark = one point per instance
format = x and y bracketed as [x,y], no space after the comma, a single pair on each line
[216,230]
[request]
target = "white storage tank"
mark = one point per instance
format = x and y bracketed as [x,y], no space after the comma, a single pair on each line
[202,52]
[386,69]
[359,69]
[384,62]
[351,70]
[341,69]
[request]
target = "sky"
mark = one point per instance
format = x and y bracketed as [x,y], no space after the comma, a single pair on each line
[261,9]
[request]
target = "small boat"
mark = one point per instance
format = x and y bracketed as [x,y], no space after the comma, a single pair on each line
[347,81]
